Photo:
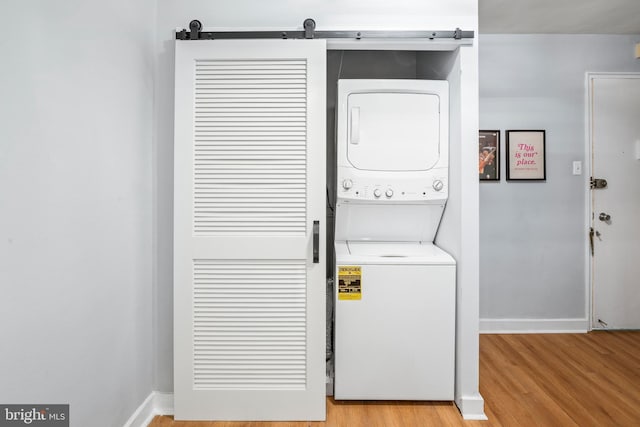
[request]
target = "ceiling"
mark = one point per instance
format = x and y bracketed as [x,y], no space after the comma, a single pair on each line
[559,16]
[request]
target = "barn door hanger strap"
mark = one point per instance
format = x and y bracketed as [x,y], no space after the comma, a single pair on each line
[195,33]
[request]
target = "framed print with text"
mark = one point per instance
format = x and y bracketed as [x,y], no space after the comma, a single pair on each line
[526,155]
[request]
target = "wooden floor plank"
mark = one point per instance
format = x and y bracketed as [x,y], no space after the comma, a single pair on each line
[580,371]
[548,380]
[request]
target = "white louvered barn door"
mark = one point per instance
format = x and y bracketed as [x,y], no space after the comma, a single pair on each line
[249,300]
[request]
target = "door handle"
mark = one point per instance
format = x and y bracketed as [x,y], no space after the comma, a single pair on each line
[316,242]
[604,217]
[355,125]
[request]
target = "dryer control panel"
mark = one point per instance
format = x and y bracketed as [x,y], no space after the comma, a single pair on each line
[433,187]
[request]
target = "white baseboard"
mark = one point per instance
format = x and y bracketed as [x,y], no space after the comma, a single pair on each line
[156,403]
[163,403]
[471,407]
[533,326]
[143,415]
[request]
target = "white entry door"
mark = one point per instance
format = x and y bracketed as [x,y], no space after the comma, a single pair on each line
[615,218]
[249,294]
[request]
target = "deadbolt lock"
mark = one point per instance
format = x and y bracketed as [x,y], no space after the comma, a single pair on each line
[598,183]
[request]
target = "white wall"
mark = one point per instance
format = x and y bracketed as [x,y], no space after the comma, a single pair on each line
[328,14]
[76,100]
[533,235]
[458,232]
[278,14]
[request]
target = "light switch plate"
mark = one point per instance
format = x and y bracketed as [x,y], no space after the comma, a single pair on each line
[577,167]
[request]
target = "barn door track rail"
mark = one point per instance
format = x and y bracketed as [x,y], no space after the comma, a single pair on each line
[195,33]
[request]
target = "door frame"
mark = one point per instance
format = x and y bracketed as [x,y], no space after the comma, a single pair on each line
[588,165]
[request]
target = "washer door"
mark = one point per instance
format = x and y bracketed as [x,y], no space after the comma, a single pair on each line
[393,131]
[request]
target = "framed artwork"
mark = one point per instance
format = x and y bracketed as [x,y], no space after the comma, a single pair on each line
[489,155]
[526,155]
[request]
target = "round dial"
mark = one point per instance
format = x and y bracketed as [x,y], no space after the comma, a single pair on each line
[438,185]
[389,193]
[377,192]
[347,184]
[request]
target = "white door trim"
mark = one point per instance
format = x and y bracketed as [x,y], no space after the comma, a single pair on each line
[589,78]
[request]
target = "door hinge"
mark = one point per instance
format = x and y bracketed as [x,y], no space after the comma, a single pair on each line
[598,183]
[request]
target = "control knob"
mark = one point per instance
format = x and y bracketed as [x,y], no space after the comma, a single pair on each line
[389,193]
[438,185]
[347,184]
[377,192]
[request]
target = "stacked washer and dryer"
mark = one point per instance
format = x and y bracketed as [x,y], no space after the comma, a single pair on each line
[395,289]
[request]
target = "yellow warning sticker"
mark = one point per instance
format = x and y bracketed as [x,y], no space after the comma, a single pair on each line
[349,282]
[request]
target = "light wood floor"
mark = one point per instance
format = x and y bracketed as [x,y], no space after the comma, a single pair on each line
[550,380]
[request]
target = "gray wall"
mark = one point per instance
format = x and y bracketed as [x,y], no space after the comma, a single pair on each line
[533,234]
[75,206]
